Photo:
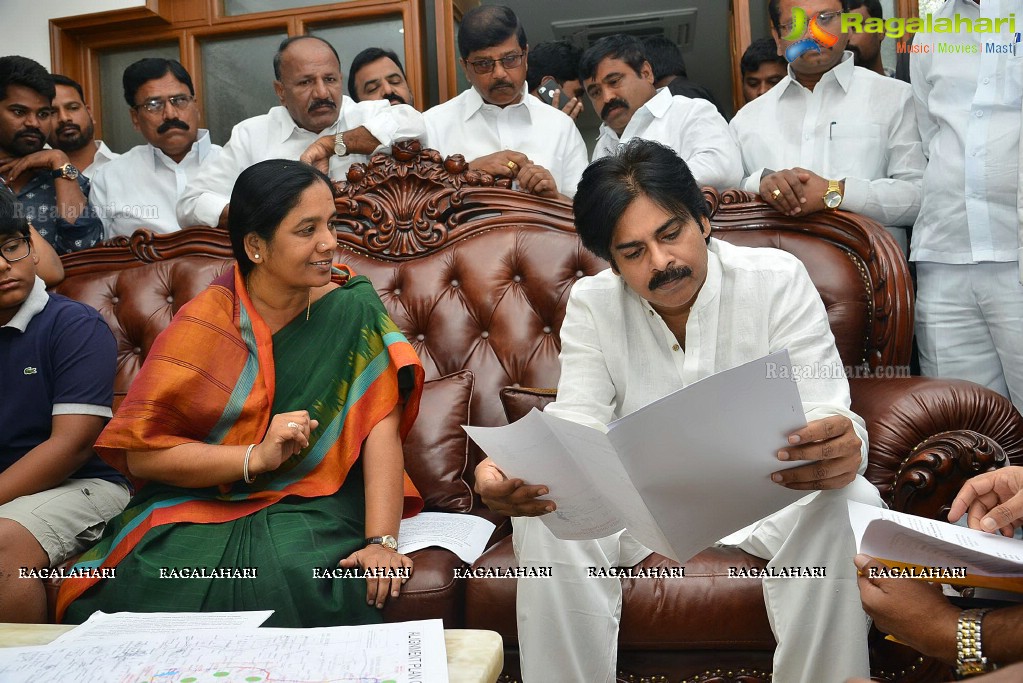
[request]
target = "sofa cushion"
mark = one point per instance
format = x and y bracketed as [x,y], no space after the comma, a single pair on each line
[436,450]
[518,401]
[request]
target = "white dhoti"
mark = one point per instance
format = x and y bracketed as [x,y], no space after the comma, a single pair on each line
[568,623]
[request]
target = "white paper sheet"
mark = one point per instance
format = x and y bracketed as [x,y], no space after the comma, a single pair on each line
[464,535]
[680,473]
[101,626]
[896,536]
[404,652]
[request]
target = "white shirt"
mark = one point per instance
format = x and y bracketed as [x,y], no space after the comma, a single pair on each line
[855,124]
[141,188]
[275,135]
[103,155]
[691,127]
[969,109]
[618,355]
[470,126]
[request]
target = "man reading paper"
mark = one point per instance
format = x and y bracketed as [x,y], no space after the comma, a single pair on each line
[676,306]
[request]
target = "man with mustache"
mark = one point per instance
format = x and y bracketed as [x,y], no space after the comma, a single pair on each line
[141,188]
[316,123]
[829,135]
[677,306]
[376,74]
[620,82]
[496,124]
[74,128]
[50,190]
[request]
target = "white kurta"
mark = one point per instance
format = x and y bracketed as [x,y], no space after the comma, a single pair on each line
[103,155]
[275,135]
[693,128]
[141,188]
[618,356]
[469,126]
[854,125]
[967,238]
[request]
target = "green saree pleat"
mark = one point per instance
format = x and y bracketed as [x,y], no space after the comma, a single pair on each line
[284,543]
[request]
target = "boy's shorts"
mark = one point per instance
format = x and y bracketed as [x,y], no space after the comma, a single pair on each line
[69,518]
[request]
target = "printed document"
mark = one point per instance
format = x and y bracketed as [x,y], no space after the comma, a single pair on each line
[680,473]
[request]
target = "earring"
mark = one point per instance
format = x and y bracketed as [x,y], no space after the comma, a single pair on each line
[255,256]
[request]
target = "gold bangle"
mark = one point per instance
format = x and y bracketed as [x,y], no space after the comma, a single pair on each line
[245,465]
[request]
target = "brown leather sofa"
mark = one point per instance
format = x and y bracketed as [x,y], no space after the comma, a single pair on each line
[477,276]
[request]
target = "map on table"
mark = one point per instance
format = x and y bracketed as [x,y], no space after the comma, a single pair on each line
[405,652]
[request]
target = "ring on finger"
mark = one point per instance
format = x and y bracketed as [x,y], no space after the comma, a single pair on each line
[776,193]
[512,165]
[294,425]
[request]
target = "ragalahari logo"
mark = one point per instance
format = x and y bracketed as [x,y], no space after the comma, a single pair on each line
[817,38]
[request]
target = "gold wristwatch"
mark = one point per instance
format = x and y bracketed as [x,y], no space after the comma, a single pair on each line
[833,195]
[386,540]
[970,659]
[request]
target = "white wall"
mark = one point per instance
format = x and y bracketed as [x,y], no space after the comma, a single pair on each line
[25,28]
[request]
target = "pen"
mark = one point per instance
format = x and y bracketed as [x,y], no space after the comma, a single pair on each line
[830,128]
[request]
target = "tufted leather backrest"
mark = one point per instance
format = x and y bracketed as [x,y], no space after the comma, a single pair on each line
[477,276]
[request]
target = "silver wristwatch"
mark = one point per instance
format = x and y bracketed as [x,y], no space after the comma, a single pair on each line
[340,148]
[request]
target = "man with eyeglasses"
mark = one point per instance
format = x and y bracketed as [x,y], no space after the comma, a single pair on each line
[316,123]
[57,360]
[51,191]
[620,83]
[496,125]
[831,135]
[141,188]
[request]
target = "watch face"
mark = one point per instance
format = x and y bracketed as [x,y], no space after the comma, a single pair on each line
[389,542]
[70,172]
[832,200]
[340,148]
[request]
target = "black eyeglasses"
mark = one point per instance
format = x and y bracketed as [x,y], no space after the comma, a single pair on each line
[485,66]
[14,250]
[823,19]
[156,105]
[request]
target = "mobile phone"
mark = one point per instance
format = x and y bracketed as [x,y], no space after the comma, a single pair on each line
[546,90]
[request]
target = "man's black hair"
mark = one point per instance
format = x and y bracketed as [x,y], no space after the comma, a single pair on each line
[486,26]
[610,184]
[149,69]
[368,56]
[873,7]
[621,46]
[59,79]
[556,58]
[774,10]
[28,73]
[664,56]
[12,218]
[294,39]
[759,51]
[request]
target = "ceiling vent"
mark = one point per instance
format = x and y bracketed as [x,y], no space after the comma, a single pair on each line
[676,25]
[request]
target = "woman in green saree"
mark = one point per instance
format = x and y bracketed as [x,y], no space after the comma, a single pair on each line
[264,434]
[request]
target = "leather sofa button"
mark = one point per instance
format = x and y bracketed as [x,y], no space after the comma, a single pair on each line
[115,300]
[579,273]
[484,334]
[170,299]
[397,292]
[517,278]
[455,283]
[137,350]
[546,329]
[420,337]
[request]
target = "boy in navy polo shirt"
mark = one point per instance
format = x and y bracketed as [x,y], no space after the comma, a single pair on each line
[57,365]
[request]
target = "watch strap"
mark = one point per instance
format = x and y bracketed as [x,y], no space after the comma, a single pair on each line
[970,659]
[387,541]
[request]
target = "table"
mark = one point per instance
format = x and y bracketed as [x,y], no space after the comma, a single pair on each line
[474,656]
